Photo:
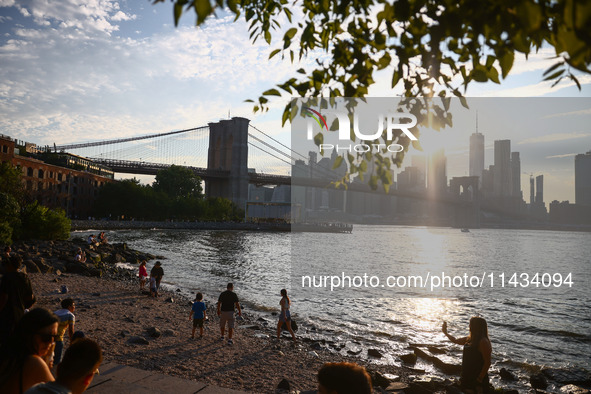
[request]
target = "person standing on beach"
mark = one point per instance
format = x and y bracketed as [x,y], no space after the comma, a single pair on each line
[227,301]
[285,316]
[143,274]
[476,356]
[157,273]
[198,314]
[66,322]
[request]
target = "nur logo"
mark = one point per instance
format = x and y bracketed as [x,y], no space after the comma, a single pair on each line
[316,115]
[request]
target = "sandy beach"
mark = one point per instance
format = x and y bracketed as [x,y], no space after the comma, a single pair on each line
[116,313]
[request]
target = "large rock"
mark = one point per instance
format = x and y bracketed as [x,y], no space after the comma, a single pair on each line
[507,375]
[32,268]
[572,389]
[538,381]
[43,266]
[450,369]
[138,340]
[374,353]
[410,358]
[577,376]
[154,332]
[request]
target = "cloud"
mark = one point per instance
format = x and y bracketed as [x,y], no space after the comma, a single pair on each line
[561,156]
[572,113]
[554,138]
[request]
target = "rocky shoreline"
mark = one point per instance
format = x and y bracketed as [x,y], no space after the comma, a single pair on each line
[152,334]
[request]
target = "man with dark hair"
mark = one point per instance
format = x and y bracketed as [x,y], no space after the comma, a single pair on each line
[66,321]
[157,273]
[227,301]
[343,378]
[16,295]
[76,371]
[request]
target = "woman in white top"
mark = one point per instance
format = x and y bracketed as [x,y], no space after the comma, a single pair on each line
[284,316]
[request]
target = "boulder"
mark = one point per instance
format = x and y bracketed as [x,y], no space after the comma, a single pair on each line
[138,340]
[284,385]
[154,332]
[374,353]
[31,267]
[507,375]
[169,333]
[379,380]
[573,389]
[43,266]
[538,381]
[410,358]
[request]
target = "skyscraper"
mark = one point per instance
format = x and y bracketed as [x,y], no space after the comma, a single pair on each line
[477,154]
[437,175]
[583,179]
[540,189]
[502,169]
[531,190]
[515,175]
[420,162]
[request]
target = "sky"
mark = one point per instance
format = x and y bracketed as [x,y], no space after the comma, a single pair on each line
[85,70]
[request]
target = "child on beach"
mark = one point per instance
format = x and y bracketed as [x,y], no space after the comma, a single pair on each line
[66,322]
[198,314]
[153,287]
[143,274]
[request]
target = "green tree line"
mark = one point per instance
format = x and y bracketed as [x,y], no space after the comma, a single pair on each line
[21,218]
[175,194]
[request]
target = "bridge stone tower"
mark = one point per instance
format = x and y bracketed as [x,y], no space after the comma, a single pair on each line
[228,151]
[465,189]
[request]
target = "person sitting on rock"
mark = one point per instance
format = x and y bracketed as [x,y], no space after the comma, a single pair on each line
[80,256]
[343,378]
[476,357]
[91,240]
[103,239]
[76,371]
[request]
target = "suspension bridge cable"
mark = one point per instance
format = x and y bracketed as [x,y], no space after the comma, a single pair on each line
[117,141]
[269,153]
[280,143]
[327,172]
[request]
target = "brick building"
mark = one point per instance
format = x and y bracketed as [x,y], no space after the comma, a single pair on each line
[56,180]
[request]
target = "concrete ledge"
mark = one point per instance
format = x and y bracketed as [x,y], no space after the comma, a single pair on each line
[116,378]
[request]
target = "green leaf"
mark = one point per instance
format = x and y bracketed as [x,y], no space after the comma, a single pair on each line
[417,145]
[318,139]
[178,11]
[203,9]
[290,33]
[373,182]
[395,78]
[272,92]
[506,62]
[555,75]
[275,52]
[337,163]
[268,37]
[554,67]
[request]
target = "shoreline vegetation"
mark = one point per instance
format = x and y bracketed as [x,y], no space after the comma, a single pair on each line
[153,333]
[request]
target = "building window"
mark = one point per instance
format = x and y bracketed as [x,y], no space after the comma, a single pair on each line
[59,177]
[30,171]
[4,148]
[40,174]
